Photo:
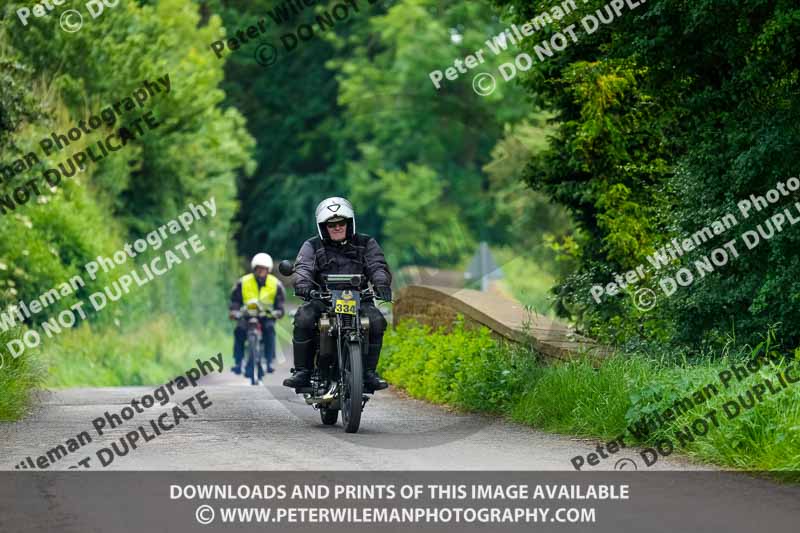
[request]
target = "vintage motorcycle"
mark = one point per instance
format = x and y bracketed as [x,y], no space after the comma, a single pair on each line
[253,311]
[337,381]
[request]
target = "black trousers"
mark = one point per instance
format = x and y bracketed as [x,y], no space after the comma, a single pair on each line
[305,330]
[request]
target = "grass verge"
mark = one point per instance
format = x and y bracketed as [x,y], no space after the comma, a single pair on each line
[469,369]
[18,379]
[148,354]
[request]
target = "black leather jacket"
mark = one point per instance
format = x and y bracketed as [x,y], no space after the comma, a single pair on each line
[360,254]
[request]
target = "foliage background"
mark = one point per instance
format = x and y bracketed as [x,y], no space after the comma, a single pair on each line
[648,129]
[666,118]
[51,79]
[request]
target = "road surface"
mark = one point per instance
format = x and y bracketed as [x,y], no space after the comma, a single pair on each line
[255,436]
[271,428]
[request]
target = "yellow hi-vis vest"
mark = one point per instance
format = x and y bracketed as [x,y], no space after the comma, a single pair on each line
[267,293]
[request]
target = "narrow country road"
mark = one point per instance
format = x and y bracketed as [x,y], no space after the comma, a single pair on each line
[271,428]
[268,436]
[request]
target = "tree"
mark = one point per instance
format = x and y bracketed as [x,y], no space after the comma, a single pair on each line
[289,107]
[431,144]
[669,115]
[193,154]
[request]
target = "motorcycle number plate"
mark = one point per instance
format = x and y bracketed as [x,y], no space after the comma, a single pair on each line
[345,307]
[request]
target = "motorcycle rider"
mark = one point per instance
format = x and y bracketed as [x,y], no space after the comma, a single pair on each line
[266,288]
[337,249]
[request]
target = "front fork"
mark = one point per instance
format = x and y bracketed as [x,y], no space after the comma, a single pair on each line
[330,343]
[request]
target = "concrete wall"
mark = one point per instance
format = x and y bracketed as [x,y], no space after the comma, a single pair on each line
[508,319]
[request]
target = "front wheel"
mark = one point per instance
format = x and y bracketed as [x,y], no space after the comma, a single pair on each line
[352,386]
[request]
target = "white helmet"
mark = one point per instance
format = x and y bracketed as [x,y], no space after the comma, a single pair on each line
[335,207]
[261,260]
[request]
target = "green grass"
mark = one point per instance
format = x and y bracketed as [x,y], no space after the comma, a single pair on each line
[471,370]
[579,399]
[18,379]
[148,354]
[764,438]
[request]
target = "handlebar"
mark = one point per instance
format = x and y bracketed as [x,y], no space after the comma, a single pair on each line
[320,295]
[247,313]
[326,295]
[259,312]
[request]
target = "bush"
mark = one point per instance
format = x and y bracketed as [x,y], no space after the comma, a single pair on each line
[471,370]
[47,84]
[465,368]
[495,379]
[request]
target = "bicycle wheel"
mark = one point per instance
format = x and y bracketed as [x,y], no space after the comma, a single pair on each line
[254,353]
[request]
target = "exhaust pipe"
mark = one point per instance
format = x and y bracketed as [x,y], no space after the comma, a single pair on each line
[326,398]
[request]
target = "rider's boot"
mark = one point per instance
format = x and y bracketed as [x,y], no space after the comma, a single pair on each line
[303,360]
[372,381]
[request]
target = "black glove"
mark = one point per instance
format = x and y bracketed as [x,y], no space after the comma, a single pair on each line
[302,292]
[384,293]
